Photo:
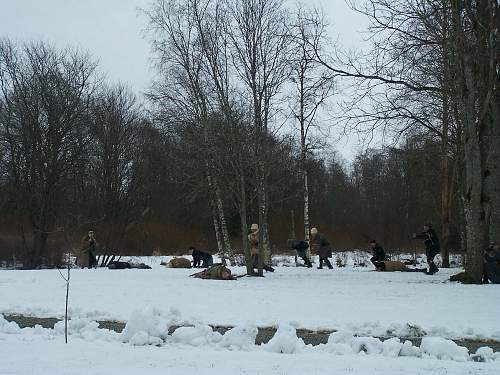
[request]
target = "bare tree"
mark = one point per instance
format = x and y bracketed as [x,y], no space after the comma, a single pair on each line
[259,38]
[45,92]
[312,87]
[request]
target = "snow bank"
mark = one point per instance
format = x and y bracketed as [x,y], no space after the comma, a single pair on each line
[239,338]
[8,327]
[199,335]
[485,354]
[440,348]
[85,329]
[284,341]
[148,327]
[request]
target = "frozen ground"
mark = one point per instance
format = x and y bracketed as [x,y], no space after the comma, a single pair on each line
[354,300]
[358,299]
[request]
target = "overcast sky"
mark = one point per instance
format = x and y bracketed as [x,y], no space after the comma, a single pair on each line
[112,31]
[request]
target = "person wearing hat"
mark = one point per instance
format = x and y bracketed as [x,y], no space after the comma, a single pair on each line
[87,256]
[253,239]
[432,247]
[378,253]
[321,246]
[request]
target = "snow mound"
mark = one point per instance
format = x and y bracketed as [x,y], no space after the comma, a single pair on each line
[408,350]
[485,354]
[392,347]
[284,341]
[198,335]
[369,345]
[85,329]
[147,327]
[8,327]
[239,338]
[339,343]
[444,349]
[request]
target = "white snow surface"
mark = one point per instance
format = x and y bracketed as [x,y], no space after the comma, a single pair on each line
[354,299]
[200,350]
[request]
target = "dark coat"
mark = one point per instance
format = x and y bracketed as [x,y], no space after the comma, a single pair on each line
[86,258]
[321,246]
[378,253]
[492,267]
[431,241]
[300,246]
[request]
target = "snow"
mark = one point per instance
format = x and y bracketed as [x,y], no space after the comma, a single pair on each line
[356,302]
[441,348]
[352,298]
[200,350]
[284,341]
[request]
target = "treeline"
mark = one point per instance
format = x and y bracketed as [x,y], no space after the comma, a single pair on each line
[78,154]
[234,135]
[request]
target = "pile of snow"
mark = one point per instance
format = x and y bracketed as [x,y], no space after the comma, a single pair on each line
[485,354]
[8,327]
[148,327]
[239,338]
[199,335]
[284,341]
[440,348]
[85,329]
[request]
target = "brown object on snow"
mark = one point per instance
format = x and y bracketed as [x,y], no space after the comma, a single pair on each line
[393,265]
[179,263]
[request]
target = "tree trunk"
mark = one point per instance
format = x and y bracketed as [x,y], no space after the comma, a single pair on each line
[445,187]
[39,245]
[223,225]
[244,225]
[306,211]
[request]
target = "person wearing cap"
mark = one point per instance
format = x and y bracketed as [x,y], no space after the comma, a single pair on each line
[378,253]
[253,239]
[432,247]
[321,246]
[87,256]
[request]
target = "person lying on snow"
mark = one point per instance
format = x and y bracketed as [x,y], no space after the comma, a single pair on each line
[301,247]
[491,260]
[215,272]
[394,266]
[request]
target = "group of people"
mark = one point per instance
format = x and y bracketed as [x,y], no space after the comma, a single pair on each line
[320,246]
[432,248]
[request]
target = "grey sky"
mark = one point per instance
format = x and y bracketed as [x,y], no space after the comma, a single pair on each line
[111,30]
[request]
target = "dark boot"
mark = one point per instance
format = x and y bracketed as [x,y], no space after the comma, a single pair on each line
[268,268]
[320,264]
[432,268]
[327,262]
[307,262]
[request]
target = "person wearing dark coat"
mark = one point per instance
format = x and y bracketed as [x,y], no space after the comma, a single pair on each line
[432,247]
[201,258]
[87,257]
[301,248]
[321,246]
[378,254]
[491,260]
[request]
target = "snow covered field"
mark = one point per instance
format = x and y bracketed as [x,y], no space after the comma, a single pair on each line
[365,302]
[355,301]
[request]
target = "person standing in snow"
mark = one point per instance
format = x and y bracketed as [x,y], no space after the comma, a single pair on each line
[492,265]
[87,254]
[432,247]
[253,239]
[321,246]
[378,253]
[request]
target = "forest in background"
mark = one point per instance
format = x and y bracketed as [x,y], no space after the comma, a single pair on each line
[212,154]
